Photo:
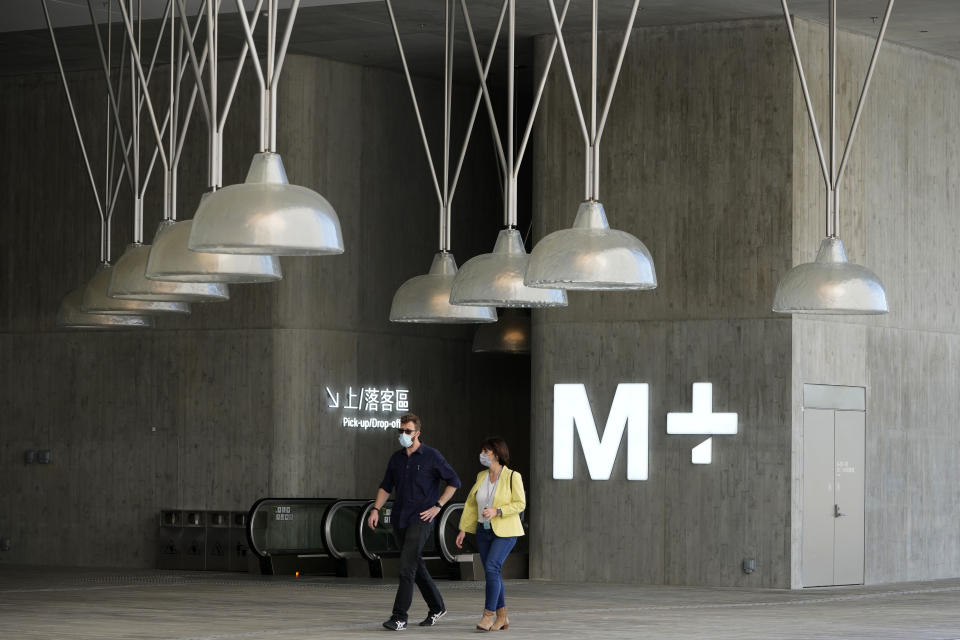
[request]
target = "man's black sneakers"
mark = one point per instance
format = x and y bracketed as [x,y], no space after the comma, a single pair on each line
[433,618]
[395,625]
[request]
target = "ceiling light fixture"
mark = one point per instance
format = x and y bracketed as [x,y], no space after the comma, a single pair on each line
[266,214]
[96,288]
[170,258]
[591,255]
[831,284]
[71,316]
[496,279]
[510,334]
[128,280]
[426,298]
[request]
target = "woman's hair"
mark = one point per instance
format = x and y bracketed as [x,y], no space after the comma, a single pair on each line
[499,447]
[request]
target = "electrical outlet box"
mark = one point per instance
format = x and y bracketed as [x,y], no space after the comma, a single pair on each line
[44,456]
[29,457]
[5,544]
[749,565]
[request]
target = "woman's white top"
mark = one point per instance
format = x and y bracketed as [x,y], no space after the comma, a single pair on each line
[485,496]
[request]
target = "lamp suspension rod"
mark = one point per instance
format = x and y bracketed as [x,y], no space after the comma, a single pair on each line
[166,117]
[484,90]
[177,135]
[445,220]
[144,85]
[166,121]
[539,94]
[566,64]
[863,93]
[236,73]
[275,58]
[616,72]
[215,126]
[112,94]
[833,175]
[192,54]
[174,88]
[255,61]
[832,205]
[76,126]
[591,136]
[483,78]
[811,115]
[416,107]
[511,181]
[112,98]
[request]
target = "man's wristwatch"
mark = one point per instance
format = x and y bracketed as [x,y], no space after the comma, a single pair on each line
[375,508]
[438,505]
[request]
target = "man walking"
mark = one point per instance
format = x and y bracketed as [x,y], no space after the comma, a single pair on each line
[415,473]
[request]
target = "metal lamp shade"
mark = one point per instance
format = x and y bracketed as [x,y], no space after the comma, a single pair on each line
[509,335]
[171,260]
[591,256]
[496,279]
[427,298]
[266,215]
[96,300]
[129,282]
[830,285]
[71,316]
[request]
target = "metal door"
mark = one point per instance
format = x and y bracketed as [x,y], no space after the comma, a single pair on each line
[833,497]
[818,497]
[848,523]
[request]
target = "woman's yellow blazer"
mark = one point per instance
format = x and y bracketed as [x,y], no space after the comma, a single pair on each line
[510,502]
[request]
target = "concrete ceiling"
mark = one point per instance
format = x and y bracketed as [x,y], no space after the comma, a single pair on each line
[358,31]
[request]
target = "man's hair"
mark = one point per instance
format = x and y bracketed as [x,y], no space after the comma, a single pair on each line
[410,417]
[499,447]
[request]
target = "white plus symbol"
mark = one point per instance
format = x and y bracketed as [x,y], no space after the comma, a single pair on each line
[702,420]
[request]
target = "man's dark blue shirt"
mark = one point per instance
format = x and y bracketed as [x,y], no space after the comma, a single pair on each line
[416,479]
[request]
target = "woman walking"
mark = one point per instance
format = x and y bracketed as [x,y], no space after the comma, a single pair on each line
[492,511]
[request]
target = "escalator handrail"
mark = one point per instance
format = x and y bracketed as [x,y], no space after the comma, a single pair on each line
[442,518]
[328,525]
[362,522]
[256,505]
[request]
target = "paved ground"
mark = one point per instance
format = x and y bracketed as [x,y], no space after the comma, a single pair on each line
[80,604]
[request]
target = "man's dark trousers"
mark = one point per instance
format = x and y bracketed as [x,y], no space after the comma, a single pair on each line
[413,570]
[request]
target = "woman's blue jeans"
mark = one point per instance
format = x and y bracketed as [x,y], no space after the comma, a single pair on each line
[493,551]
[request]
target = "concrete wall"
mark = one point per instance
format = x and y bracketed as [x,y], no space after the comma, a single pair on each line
[899,218]
[696,162]
[218,409]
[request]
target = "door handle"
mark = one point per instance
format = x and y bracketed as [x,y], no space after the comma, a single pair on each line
[836,511]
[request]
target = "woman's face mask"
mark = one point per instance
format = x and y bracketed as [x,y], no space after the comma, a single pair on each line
[485,459]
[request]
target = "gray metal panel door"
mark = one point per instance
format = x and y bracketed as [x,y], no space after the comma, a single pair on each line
[818,497]
[848,526]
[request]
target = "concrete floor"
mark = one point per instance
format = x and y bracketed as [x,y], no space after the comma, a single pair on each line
[106,604]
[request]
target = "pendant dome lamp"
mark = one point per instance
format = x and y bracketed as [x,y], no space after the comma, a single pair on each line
[426,298]
[72,316]
[72,313]
[170,258]
[591,255]
[509,335]
[496,278]
[830,284]
[128,280]
[266,214]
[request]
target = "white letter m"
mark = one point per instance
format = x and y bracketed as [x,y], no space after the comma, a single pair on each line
[629,411]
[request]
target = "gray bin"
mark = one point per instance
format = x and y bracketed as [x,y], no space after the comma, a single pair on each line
[218,541]
[170,539]
[237,544]
[193,540]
